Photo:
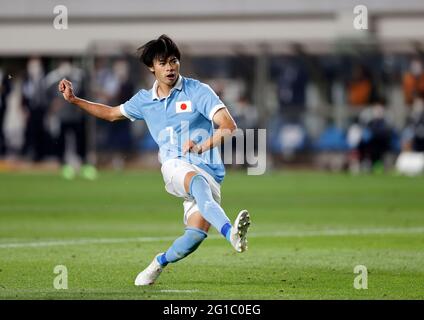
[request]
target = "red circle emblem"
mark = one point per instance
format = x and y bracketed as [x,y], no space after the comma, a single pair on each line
[183,106]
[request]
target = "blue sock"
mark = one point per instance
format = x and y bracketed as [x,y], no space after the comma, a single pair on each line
[226,231]
[183,246]
[209,208]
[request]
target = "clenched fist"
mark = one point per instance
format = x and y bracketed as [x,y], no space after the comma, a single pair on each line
[65,87]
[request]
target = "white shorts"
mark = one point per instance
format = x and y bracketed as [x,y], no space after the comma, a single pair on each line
[174,172]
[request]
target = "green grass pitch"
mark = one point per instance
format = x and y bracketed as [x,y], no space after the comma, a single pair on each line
[309,231]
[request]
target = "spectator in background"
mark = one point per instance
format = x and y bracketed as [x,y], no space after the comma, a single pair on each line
[5,88]
[119,136]
[34,104]
[105,87]
[413,134]
[292,82]
[244,113]
[376,136]
[246,117]
[66,119]
[111,87]
[105,83]
[413,81]
[360,87]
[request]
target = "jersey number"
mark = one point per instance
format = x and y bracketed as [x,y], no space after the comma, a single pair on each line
[171,134]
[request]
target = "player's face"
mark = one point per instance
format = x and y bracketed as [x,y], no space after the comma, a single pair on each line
[166,70]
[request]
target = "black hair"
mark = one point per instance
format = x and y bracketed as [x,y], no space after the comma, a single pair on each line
[160,48]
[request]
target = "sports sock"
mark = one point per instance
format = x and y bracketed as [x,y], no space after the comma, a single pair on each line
[209,208]
[183,246]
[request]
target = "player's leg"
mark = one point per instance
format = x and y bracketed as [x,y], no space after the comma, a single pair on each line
[198,187]
[182,182]
[194,234]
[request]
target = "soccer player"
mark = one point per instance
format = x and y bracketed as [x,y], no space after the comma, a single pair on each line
[180,113]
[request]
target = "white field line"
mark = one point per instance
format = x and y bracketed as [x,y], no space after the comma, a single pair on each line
[178,291]
[280,234]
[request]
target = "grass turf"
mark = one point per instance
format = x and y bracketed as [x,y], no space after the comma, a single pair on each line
[309,231]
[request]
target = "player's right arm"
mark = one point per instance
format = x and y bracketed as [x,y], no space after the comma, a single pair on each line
[98,110]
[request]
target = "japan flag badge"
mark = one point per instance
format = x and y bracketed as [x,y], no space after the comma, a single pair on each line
[183,106]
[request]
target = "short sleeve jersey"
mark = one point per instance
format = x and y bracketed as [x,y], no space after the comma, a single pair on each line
[185,114]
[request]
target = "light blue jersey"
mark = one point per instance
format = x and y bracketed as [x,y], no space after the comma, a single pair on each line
[185,114]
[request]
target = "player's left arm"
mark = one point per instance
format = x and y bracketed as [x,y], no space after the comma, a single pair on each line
[225,128]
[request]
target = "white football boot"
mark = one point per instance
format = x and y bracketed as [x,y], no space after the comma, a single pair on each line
[239,231]
[150,274]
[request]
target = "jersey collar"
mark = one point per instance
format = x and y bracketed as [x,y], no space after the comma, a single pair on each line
[178,86]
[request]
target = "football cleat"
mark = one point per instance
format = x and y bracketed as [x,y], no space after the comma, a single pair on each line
[239,231]
[149,275]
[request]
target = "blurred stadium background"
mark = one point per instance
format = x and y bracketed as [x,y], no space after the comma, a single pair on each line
[330,96]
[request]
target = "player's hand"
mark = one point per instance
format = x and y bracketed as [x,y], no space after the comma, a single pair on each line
[191,146]
[65,87]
